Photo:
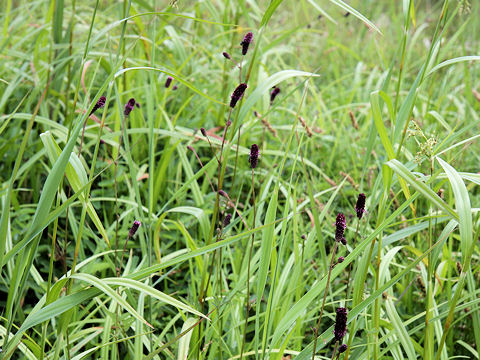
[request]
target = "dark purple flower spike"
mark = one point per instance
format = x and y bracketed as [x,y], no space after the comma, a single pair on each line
[342,348]
[237,94]
[253,159]
[340,324]
[129,107]
[168,82]
[274,93]
[134,228]
[340,226]
[227,219]
[360,206]
[248,38]
[100,104]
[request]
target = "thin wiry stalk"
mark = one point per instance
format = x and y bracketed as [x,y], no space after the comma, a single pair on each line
[247,297]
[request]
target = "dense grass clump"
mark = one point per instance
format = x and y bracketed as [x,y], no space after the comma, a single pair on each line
[239,179]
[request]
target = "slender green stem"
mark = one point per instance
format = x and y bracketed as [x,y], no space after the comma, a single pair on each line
[327,286]
[247,297]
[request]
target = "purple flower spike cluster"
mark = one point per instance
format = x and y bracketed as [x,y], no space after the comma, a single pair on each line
[340,226]
[253,159]
[360,206]
[340,324]
[247,40]
[100,104]
[237,94]
[129,107]
[134,228]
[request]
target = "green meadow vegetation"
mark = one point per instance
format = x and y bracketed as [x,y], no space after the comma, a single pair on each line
[239,179]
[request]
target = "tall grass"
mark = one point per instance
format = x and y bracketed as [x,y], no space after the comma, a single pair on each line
[228,260]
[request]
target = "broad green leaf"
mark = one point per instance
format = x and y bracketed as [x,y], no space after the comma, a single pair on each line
[421,187]
[77,177]
[148,290]
[184,342]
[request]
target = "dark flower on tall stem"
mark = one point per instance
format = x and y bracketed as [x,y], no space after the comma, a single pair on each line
[168,82]
[237,94]
[360,206]
[274,93]
[226,55]
[340,324]
[342,348]
[253,159]
[226,220]
[134,228]
[246,42]
[203,131]
[100,104]
[129,107]
[340,226]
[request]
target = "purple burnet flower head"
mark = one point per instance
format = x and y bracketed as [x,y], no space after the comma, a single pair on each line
[340,324]
[226,55]
[342,348]
[168,82]
[237,94]
[134,228]
[247,39]
[253,158]
[175,87]
[360,206]
[222,193]
[203,131]
[340,259]
[100,104]
[274,93]
[226,220]
[340,226]
[129,107]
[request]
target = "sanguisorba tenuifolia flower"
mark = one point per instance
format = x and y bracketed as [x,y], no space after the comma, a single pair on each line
[100,104]
[340,324]
[253,158]
[226,55]
[360,206]
[274,93]
[134,228]
[340,226]
[237,94]
[226,220]
[247,39]
[342,348]
[129,107]
[168,82]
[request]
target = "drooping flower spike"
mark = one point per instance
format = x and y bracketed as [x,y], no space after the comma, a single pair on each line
[227,219]
[274,93]
[129,107]
[237,94]
[100,104]
[134,228]
[247,39]
[168,82]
